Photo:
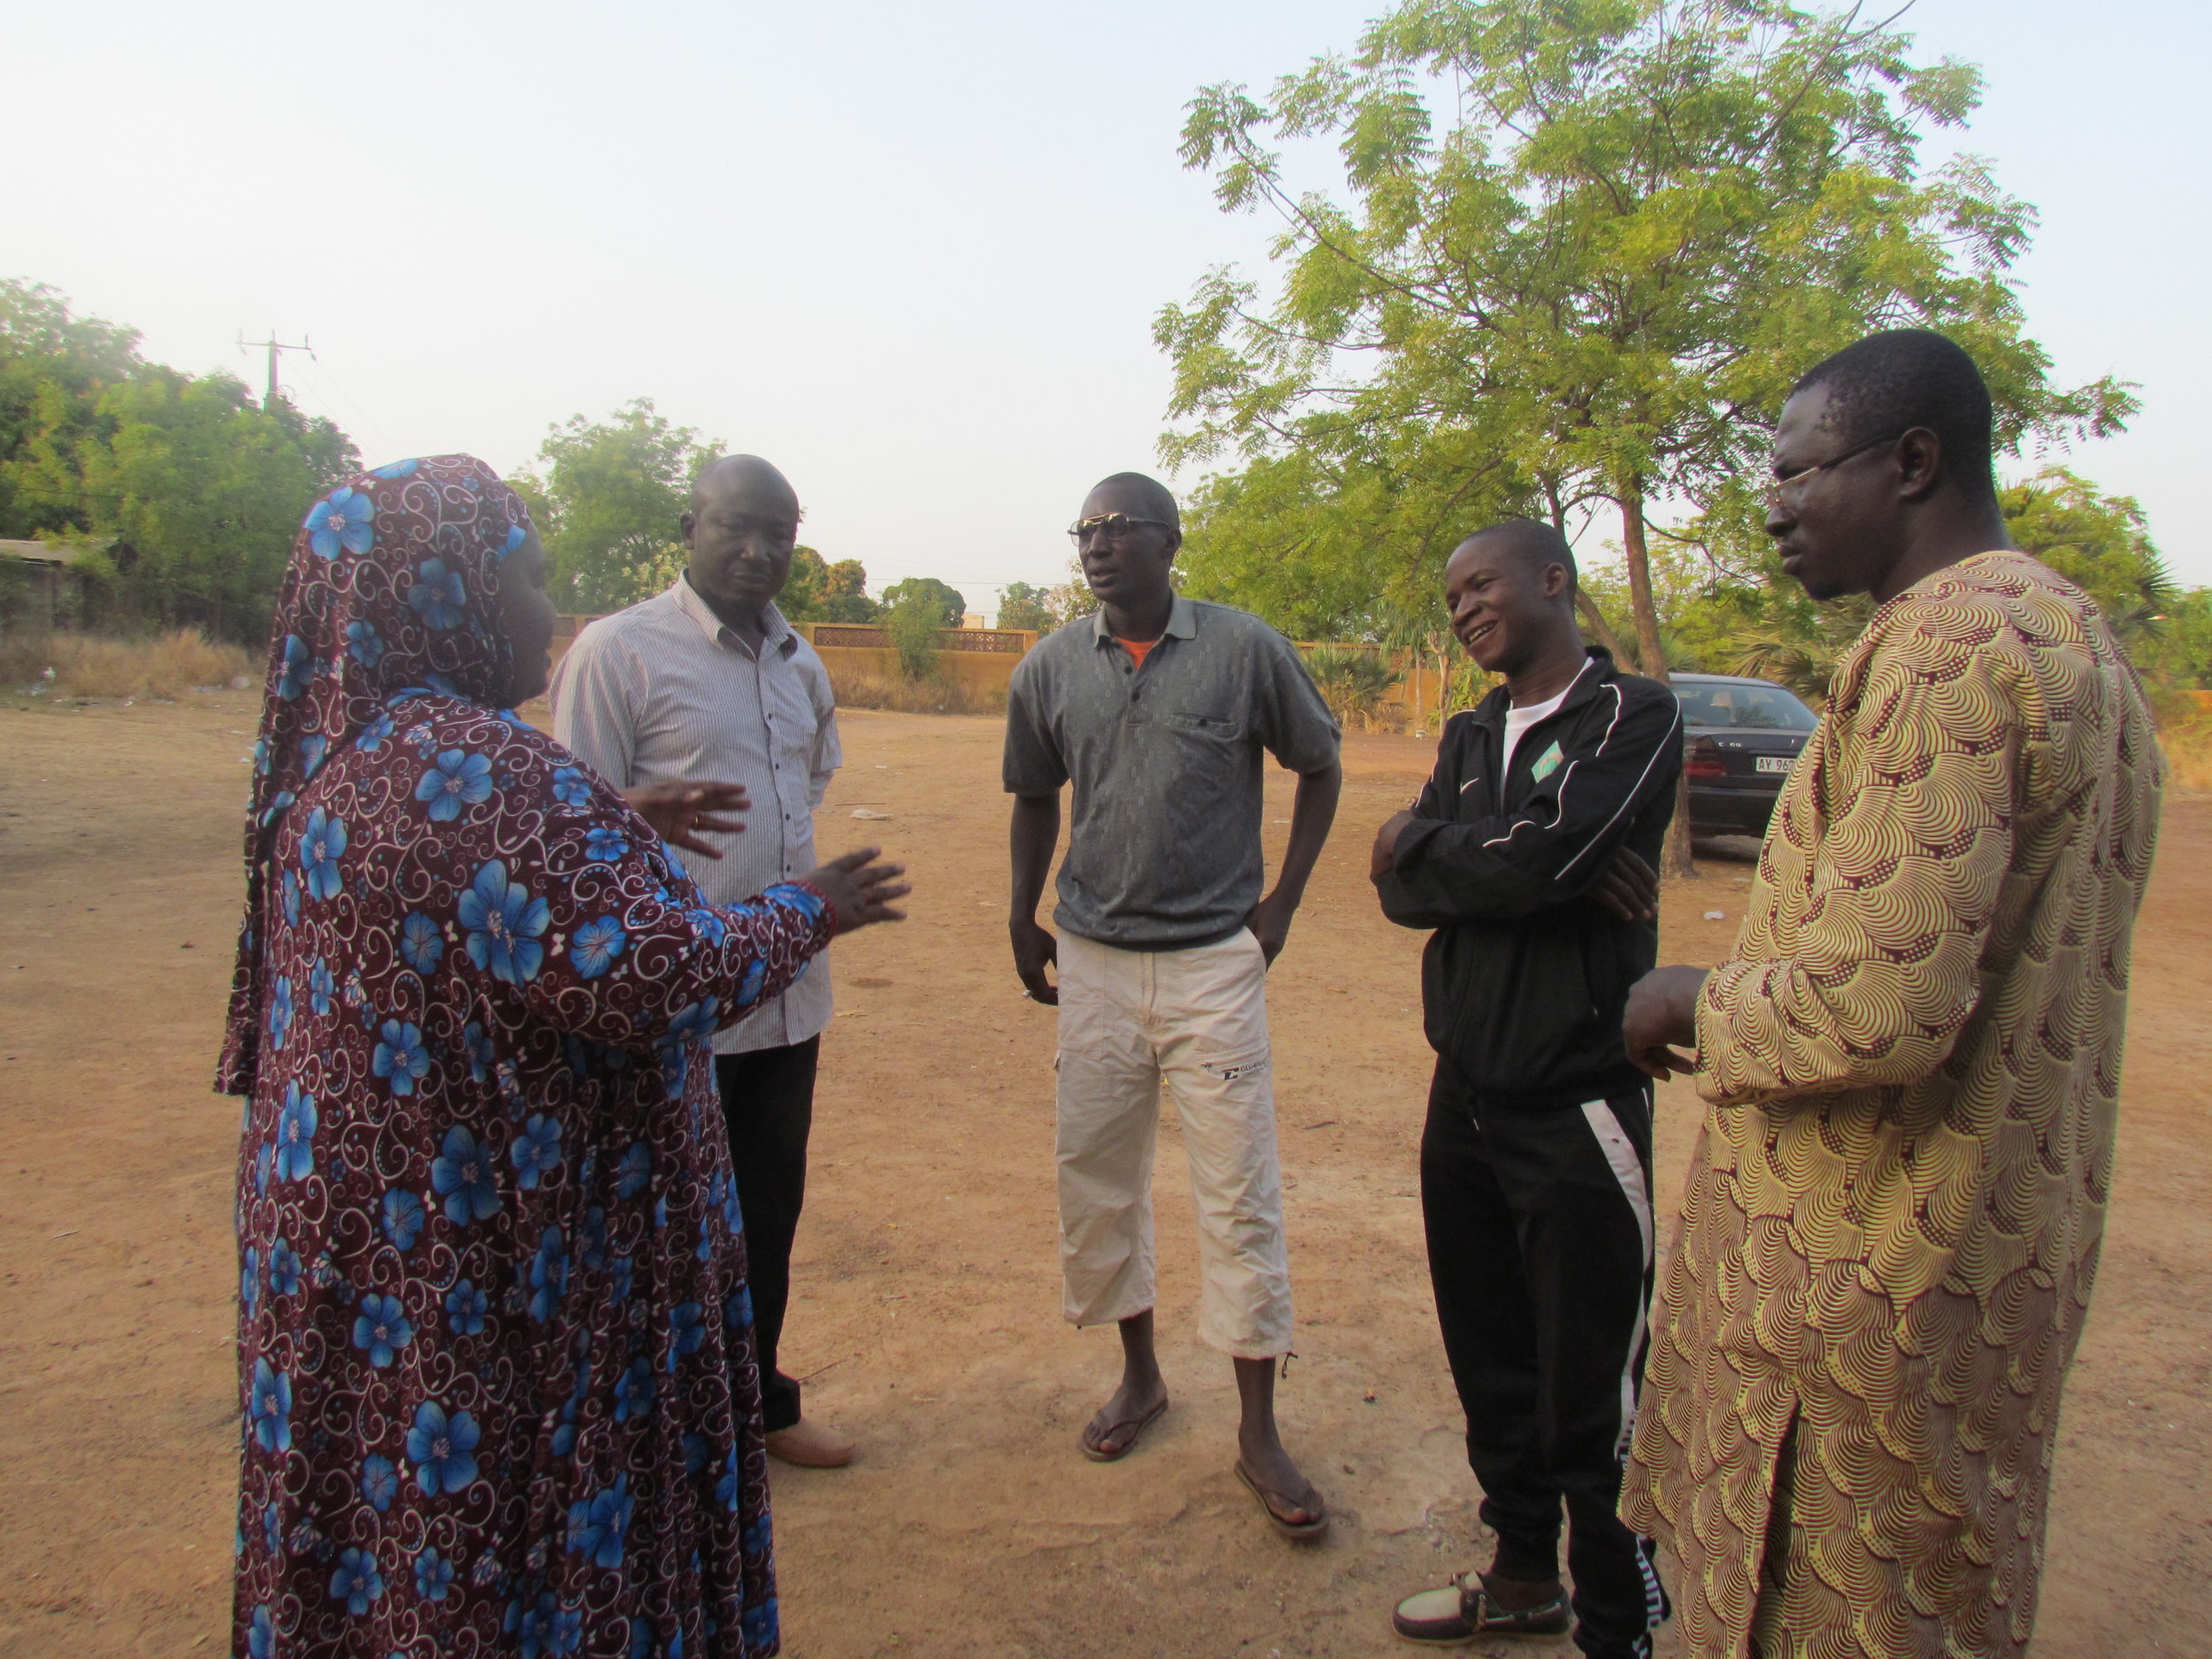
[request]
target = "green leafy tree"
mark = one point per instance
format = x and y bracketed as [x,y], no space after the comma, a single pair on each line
[846,594]
[182,494]
[1589,247]
[203,492]
[802,595]
[607,497]
[2180,648]
[54,368]
[819,591]
[1021,605]
[2101,543]
[951,606]
[1336,546]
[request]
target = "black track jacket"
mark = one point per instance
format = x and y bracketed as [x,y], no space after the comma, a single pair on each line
[1524,984]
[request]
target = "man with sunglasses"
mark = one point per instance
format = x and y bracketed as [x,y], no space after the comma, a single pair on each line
[1158,710]
[1912,1057]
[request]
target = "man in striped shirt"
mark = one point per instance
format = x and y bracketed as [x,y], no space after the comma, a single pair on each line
[708,681]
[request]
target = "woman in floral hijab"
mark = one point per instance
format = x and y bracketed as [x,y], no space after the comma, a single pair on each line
[496,1349]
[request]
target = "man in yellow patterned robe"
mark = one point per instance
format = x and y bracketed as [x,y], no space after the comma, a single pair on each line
[1912,1060]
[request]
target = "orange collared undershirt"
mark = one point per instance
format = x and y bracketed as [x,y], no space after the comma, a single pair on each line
[1138,649]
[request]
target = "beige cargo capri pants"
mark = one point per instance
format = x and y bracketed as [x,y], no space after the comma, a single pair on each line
[1195,1018]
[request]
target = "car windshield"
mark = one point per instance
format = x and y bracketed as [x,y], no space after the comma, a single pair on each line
[1758,707]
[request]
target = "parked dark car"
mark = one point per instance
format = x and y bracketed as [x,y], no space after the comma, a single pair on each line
[1740,737]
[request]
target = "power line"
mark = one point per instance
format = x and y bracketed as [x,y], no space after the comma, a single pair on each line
[389,449]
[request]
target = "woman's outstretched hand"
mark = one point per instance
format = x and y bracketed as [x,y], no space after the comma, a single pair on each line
[681,812]
[859,892]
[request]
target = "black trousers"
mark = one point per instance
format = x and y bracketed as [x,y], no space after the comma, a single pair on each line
[768,1101]
[1540,1236]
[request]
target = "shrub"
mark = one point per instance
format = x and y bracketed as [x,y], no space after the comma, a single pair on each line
[912,624]
[1352,681]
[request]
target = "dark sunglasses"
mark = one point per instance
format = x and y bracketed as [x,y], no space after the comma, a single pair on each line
[1114,526]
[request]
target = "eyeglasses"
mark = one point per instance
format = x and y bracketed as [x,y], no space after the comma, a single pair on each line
[1114,526]
[1776,486]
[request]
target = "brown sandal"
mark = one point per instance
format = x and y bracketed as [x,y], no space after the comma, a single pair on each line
[1297,1532]
[1136,1425]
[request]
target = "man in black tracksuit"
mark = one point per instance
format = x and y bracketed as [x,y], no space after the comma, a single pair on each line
[1531,853]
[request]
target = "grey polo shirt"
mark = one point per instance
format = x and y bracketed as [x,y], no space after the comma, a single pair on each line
[1164,847]
[663,693]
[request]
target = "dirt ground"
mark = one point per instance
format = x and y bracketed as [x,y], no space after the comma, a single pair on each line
[927,1316]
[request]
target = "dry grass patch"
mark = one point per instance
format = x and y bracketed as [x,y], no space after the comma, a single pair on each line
[87,665]
[2189,756]
[2184,736]
[934,695]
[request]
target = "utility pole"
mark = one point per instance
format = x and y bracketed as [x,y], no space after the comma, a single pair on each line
[275,349]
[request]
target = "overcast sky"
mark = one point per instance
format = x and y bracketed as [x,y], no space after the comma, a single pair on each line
[911,254]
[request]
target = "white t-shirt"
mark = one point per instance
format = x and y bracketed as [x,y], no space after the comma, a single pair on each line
[1518,720]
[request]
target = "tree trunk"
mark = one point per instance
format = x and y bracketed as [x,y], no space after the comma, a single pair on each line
[1653,655]
[1593,620]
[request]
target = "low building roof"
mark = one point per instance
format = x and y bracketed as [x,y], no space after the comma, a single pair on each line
[41,552]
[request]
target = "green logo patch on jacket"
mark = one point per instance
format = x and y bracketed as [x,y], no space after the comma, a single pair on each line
[1547,763]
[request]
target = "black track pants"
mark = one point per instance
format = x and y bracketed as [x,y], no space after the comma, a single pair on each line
[768,1101]
[1539,1234]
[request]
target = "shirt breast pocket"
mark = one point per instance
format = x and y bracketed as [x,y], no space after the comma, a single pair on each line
[791,713]
[1203,728]
[794,741]
[792,747]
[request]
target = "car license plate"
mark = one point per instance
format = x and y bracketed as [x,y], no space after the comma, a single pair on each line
[1772,763]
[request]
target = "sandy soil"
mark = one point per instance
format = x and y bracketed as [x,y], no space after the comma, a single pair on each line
[927,1312]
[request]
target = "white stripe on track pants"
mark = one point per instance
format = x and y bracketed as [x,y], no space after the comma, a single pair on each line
[1196,1020]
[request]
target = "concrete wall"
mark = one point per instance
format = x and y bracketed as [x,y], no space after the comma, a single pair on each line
[977,670]
[981,659]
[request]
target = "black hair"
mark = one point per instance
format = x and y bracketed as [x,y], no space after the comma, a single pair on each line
[1162,498]
[1539,545]
[1903,378]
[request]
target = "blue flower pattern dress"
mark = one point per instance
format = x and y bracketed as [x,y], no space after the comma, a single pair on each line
[497,1373]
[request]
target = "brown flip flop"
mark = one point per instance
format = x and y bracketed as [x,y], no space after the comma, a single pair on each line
[1297,1532]
[1138,1424]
